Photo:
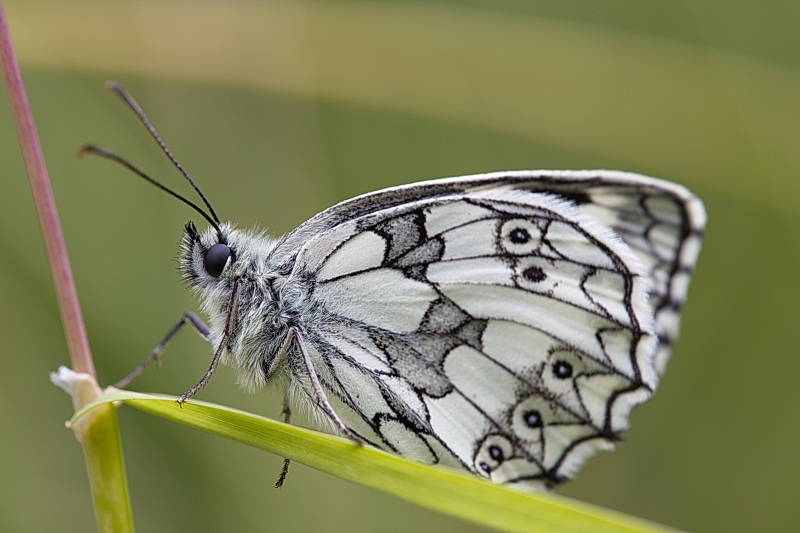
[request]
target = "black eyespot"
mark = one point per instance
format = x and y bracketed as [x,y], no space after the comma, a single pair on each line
[496,453]
[215,259]
[486,468]
[562,369]
[532,419]
[534,274]
[519,236]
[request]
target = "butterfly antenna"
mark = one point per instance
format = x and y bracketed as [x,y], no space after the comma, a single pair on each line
[128,99]
[102,152]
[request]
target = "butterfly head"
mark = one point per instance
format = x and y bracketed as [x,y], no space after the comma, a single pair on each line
[208,257]
[221,254]
[209,263]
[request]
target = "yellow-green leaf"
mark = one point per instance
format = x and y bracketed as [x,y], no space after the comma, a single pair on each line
[444,490]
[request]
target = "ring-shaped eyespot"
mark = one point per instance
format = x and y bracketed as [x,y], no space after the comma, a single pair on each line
[216,258]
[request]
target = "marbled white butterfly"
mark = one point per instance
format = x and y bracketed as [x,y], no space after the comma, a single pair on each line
[502,323]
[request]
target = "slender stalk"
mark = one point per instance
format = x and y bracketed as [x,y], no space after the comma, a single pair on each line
[99,433]
[74,328]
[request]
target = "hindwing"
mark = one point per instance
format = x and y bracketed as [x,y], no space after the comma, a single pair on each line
[505,325]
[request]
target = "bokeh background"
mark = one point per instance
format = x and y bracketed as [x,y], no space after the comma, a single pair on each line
[282,108]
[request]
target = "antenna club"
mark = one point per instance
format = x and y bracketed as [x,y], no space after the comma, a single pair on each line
[84,150]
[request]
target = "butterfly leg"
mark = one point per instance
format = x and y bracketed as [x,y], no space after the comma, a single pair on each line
[322,399]
[287,417]
[155,356]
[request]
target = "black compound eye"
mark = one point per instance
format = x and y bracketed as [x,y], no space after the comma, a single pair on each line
[215,259]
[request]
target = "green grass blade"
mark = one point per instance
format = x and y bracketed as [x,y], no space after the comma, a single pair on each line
[97,429]
[443,490]
[102,449]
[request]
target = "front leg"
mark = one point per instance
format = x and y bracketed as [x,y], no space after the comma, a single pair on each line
[227,333]
[188,318]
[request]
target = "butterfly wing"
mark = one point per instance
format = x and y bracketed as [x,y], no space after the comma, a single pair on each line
[475,323]
[661,222]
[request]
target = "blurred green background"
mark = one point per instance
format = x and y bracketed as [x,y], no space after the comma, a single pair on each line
[280,109]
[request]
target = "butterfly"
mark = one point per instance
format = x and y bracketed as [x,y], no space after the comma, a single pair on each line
[502,323]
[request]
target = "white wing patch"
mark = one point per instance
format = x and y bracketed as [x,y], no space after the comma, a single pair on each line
[383,298]
[475,239]
[363,252]
[504,323]
[440,218]
[486,384]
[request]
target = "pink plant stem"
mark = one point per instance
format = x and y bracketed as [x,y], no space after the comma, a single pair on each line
[74,328]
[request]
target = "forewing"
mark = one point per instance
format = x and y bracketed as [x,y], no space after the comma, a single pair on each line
[501,330]
[661,222]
